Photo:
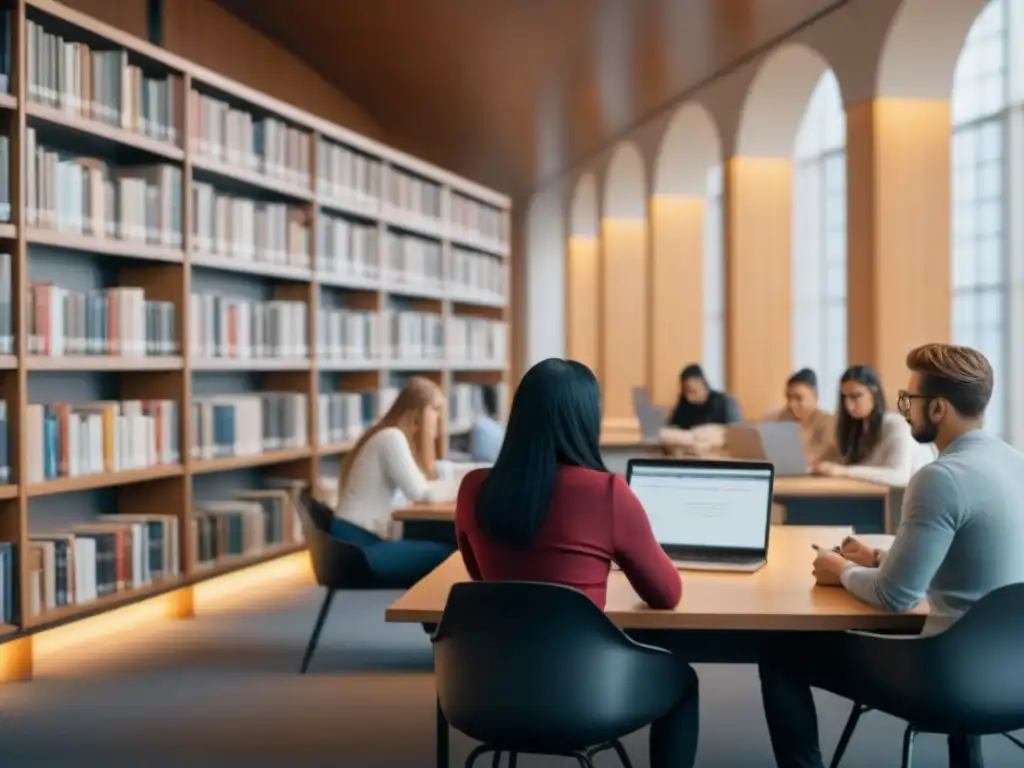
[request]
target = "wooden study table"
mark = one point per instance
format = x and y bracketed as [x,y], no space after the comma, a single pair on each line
[718,610]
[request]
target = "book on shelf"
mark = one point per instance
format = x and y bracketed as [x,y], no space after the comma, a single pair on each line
[262,144]
[91,560]
[411,260]
[294,489]
[478,221]
[412,194]
[5,178]
[247,425]
[102,85]
[242,229]
[5,444]
[477,340]
[349,335]
[87,196]
[346,248]
[344,416]
[72,440]
[6,306]
[476,276]
[466,404]
[6,38]
[244,526]
[414,336]
[347,176]
[111,321]
[229,327]
[8,583]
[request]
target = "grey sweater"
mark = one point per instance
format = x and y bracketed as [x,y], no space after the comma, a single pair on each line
[961,534]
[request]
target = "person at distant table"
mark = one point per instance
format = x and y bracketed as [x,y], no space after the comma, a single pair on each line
[816,426]
[550,511]
[699,404]
[396,455]
[488,432]
[961,537]
[871,443]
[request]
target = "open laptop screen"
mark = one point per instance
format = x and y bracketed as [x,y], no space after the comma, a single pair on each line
[705,505]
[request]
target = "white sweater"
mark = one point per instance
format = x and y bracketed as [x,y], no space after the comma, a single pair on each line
[385,464]
[895,457]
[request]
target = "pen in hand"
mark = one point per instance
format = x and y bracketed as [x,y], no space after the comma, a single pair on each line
[819,548]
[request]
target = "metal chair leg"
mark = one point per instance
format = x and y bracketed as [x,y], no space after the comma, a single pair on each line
[496,762]
[1015,740]
[441,734]
[512,758]
[848,729]
[481,750]
[315,638]
[583,759]
[623,755]
[908,746]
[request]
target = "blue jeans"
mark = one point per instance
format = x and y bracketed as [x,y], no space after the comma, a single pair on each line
[402,562]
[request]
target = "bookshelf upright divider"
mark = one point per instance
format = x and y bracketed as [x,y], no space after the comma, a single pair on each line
[218,237]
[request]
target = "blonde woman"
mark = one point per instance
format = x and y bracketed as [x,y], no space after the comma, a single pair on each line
[398,453]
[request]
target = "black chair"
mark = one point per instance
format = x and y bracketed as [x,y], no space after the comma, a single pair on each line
[336,565]
[966,681]
[531,668]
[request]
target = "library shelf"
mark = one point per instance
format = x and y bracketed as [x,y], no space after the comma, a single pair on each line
[8,491]
[278,271]
[415,224]
[8,232]
[45,114]
[348,282]
[414,291]
[8,362]
[66,613]
[104,246]
[279,187]
[343,366]
[7,101]
[481,366]
[415,365]
[8,629]
[333,448]
[364,208]
[251,364]
[102,363]
[226,565]
[228,463]
[102,480]
[477,300]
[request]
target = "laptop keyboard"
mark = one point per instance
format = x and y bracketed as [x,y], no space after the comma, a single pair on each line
[709,558]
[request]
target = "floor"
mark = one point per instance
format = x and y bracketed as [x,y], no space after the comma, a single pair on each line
[223,690]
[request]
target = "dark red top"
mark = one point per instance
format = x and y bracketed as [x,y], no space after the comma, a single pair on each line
[594,519]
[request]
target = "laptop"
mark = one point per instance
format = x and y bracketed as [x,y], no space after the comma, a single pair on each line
[707,515]
[778,442]
[651,417]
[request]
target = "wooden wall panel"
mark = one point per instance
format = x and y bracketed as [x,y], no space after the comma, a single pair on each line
[623,326]
[583,301]
[758,212]
[129,15]
[677,291]
[898,234]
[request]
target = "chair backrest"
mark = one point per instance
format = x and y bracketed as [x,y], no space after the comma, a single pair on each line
[336,564]
[527,662]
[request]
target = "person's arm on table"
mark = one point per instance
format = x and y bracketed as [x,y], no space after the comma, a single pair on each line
[653,575]
[896,457]
[401,469]
[931,514]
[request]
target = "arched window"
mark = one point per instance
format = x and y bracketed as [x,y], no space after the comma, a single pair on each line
[714,281]
[980,245]
[819,237]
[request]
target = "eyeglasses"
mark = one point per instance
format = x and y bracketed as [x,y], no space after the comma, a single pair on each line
[906,399]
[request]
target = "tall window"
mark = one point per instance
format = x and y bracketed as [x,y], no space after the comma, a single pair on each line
[714,282]
[980,247]
[819,237]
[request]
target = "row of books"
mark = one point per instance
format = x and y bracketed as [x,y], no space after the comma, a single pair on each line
[72,440]
[344,416]
[473,219]
[412,194]
[346,248]
[246,525]
[476,340]
[8,600]
[412,260]
[230,327]
[82,195]
[248,230]
[472,275]
[412,336]
[102,85]
[112,321]
[112,554]
[262,144]
[466,403]
[345,176]
[249,424]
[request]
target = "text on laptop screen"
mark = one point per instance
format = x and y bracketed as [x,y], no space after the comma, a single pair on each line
[704,506]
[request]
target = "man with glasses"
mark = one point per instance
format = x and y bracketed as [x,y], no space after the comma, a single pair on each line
[961,536]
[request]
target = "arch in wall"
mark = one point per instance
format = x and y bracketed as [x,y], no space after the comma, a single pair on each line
[776,101]
[583,213]
[624,192]
[545,278]
[922,47]
[689,149]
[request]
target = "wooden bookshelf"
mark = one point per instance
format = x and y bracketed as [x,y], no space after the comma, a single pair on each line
[323,174]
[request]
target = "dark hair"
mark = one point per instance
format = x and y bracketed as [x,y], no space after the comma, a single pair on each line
[693,371]
[555,420]
[804,376]
[490,397]
[855,442]
[960,375]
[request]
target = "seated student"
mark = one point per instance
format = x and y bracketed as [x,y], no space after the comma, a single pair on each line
[871,443]
[488,432]
[395,455]
[699,404]
[550,511]
[816,426]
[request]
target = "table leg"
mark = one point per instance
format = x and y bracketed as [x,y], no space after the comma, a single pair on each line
[442,738]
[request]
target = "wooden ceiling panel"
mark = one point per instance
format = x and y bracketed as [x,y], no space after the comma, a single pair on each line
[509,92]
